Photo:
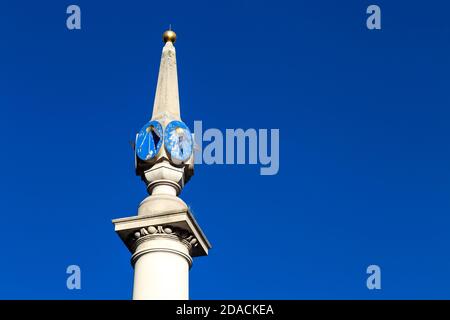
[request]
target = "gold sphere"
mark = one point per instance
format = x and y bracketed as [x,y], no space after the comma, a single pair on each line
[169,35]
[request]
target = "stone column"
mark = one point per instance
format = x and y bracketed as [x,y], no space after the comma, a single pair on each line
[163,237]
[161,250]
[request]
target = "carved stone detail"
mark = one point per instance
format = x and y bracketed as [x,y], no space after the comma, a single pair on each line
[147,232]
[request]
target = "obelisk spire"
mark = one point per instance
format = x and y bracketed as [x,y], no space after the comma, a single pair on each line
[163,237]
[167,102]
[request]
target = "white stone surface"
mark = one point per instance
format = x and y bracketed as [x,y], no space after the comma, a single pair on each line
[164,171]
[162,271]
[167,101]
[157,203]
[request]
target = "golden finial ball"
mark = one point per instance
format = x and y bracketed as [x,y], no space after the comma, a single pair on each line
[169,35]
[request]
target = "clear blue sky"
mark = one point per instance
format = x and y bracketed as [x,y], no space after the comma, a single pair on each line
[364,144]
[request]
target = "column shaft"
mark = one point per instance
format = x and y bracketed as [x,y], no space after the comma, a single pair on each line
[161,269]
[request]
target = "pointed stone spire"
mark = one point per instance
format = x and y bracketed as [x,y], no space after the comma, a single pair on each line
[163,237]
[167,102]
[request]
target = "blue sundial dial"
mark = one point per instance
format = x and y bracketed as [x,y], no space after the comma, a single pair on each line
[149,140]
[178,141]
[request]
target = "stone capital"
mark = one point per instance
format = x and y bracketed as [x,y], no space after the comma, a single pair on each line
[180,226]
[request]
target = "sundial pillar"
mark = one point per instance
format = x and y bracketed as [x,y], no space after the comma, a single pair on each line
[163,237]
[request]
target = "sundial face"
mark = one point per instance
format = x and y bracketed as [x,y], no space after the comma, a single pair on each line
[178,141]
[149,141]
